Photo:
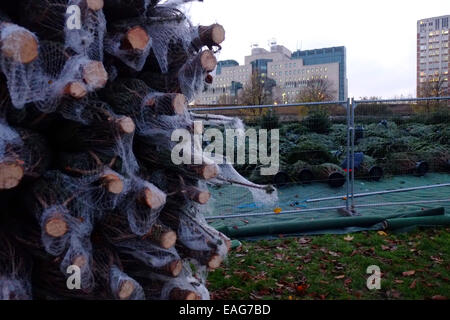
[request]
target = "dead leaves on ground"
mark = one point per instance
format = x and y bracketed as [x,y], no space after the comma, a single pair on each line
[330,273]
[409,273]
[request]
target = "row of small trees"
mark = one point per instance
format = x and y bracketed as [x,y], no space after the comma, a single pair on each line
[258,91]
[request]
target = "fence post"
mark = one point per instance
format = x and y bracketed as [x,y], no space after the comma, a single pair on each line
[347,174]
[352,126]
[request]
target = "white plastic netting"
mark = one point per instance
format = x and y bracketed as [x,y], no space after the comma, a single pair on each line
[100,168]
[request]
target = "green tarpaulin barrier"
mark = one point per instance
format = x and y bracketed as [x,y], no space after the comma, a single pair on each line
[395,224]
[398,220]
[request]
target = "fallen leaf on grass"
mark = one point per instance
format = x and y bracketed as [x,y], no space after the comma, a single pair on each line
[300,289]
[334,254]
[413,284]
[437,259]
[382,233]
[408,273]
[254,296]
[279,256]
[349,238]
[398,281]
[339,266]
[304,240]
[342,276]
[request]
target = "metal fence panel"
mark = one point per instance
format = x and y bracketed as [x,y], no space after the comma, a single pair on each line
[345,157]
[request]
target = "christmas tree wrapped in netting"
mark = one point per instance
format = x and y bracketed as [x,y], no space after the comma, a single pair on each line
[90,93]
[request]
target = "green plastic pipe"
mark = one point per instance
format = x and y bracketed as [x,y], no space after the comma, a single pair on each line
[320,224]
[393,224]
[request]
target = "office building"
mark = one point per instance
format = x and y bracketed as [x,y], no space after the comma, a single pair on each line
[433,52]
[284,72]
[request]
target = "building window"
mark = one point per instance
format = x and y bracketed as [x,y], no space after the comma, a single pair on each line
[436,24]
[444,22]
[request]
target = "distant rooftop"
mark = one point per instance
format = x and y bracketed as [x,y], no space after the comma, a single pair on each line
[305,53]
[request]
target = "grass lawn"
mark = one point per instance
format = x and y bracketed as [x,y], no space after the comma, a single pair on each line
[413,265]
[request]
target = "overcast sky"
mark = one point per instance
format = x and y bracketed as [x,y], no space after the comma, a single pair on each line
[380,36]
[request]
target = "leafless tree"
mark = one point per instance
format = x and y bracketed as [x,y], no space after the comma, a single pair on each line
[433,87]
[317,90]
[256,92]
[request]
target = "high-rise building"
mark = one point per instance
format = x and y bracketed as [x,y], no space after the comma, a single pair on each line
[283,72]
[433,52]
[324,56]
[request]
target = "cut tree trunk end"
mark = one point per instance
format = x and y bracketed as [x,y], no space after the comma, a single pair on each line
[180,294]
[153,198]
[198,195]
[56,227]
[126,125]
[136,38]
[126,289]
[95,75]
[214,262]
[178,102]
[80,261]
[10,175]
[168,239]
[112,183]
[212,35]
[95,5]
[175,268]
[208,171]
[19,45]
[165,237]
[76,90]
[208,60]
